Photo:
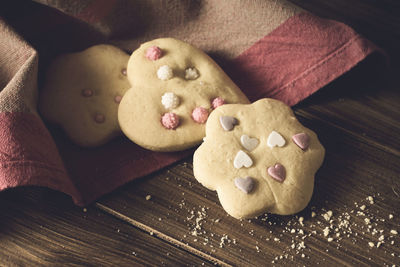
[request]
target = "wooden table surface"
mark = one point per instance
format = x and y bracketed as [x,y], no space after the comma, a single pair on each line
[169,219]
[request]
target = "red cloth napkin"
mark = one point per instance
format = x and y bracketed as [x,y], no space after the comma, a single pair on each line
[269,48]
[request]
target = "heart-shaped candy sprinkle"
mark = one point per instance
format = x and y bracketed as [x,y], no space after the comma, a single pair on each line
[245,184]
[302,140]
[277,172]
[242,159]
[248,143]
[275,139]
[228,122]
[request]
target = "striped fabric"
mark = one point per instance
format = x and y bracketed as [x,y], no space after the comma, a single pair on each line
[270,48]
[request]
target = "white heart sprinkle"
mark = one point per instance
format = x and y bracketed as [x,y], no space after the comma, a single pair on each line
[248,143]
[275,139]
[242,159]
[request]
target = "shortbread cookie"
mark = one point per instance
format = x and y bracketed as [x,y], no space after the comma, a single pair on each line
[175,86]
[82,92]
[258,158]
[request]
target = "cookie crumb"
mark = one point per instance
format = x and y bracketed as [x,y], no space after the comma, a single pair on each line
[327,216]
[371,244]
[326,231]
[223,239]
[84,210]
[393,232]
[390,216]
[148,197]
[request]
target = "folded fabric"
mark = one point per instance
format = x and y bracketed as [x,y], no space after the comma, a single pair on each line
[269,48]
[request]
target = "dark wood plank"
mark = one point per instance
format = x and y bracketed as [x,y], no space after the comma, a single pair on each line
[362,164]
[43,228]
[353,171]
[361,103]
[357,122]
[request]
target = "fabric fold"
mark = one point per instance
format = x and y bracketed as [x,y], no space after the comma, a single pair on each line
[280,52]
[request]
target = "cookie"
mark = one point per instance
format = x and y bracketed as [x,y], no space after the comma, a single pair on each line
[175,87]
[82,92]
[258,158]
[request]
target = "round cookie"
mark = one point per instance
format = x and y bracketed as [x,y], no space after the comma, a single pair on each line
[82,92]
[175,86]
[259,159]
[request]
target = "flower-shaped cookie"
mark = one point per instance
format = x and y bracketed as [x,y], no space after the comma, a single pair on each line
[258,158]
[175,86]
[82,92]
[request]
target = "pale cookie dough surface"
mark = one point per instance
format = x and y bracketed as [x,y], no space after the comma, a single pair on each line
[195,82]
[219,165]
[82,92]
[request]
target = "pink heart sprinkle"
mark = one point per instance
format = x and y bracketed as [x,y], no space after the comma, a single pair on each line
[302,140]
[277,172]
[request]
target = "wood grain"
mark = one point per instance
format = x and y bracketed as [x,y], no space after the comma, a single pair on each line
[40,227]
[363,103]
[168,218]
[352,171]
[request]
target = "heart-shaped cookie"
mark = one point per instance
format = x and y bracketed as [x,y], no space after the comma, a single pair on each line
[170,76]
[228,122]
[245,184]
[275,139]
[248,143]
[302,140]
[242,159]
[278,172]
